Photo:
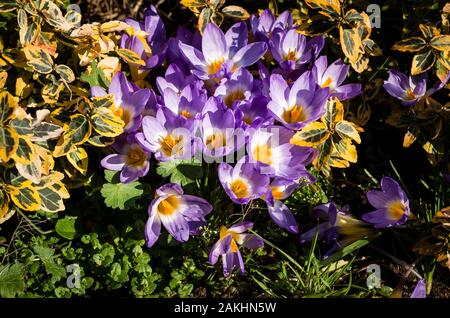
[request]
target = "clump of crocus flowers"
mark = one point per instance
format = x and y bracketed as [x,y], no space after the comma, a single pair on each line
[220,98]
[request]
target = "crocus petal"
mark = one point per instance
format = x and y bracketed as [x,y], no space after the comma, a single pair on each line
[378,199]
[249,54]
[176,225]
[241,227]
[97,91]
[283,217]
[279,91]
[420,291]
[227,263]
[214,45]
[194,56]
[250,241]
[195,206]
[239,262]
[378,218]
[236,37]
[153,132]
[113,162]
[129,174]
[152,229]
[214,253]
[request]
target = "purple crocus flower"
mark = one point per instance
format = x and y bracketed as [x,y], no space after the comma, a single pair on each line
[339,229]
[255,113]
[236,89]
[333,76]
[410,90]
[181,214]
[420,291]
[227,246]
[280,189]
[131,160]
[242,183]
[274,155]
[129,101]
[290,49]
[222,53]
[303,103]
[188,103]
[407,89]
[166,136]
[185,36]
[264,25]
[151,46]
[391,203]
[174,78]
[218,135]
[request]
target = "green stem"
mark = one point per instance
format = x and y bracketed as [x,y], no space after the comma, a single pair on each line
[429,279]
[32,224]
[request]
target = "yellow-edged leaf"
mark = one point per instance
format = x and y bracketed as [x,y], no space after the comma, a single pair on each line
[79,160]
[351,43]
[428,31]
[329,8]
[106,123]
[236,12]
[52,198]
[9,141]
[423,62]
[311,135]
[325,151]
[204,18]
[3,78]
[346,150]
[8,105]
[26,197]
[25,151]
[441,43]
[334,113]
[76,133]
[4,204]
[413,44]
[65,72]
[130,57]
[347,129]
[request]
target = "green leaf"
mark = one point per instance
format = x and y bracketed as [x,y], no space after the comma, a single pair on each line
[119,195]
[96,77]
[348,250]
[182,172]
[11,280]
[46,255]
[66,227]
